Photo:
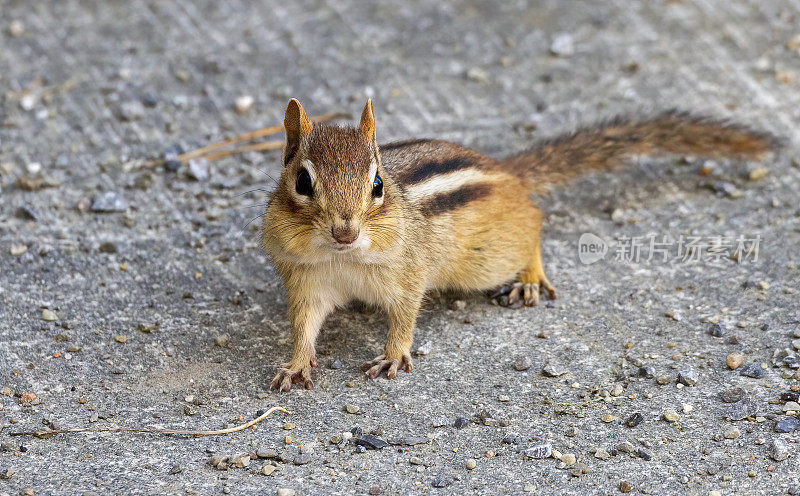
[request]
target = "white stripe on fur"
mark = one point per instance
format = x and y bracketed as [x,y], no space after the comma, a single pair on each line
[445,183]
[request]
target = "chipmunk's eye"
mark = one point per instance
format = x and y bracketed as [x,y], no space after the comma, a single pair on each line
[303,183]
[377,187]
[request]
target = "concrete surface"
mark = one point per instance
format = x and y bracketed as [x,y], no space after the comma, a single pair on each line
[91,89]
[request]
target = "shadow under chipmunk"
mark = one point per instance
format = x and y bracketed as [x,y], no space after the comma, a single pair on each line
[352,220]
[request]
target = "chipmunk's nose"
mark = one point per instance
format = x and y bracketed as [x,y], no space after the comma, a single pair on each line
[345,233]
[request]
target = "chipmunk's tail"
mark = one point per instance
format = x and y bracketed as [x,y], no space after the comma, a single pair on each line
[605,146]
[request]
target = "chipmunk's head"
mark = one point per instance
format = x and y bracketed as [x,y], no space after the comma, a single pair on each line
[333,198]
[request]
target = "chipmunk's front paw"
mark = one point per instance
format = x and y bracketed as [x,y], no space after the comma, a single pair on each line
[289,374]
[518,294]
[373,368]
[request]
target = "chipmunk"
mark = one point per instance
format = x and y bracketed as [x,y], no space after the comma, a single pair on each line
[352,220]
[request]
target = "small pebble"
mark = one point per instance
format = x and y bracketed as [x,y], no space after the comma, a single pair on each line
[442,481]
[460,422]
[634,420]
[424,349]
[370,442]
[471,464]
[646,371]
[778,450]
[49,315]
[223,340]
[787,425]
[284,491]
[477,74]
[731,433]
[172,165]
[458,305]
[562,45]
[625,447]
[602,454]
[337,364]
[302,459]
[624,487]
[539,451]
[440,421]
[121,338]
[553,370]
[758,173]
[741,409]
[108,247]
[27,212]
[352,409]
[688,378]
[243,104]
[183,76]
[268,469]
[568,459]
[198,169]
[522,363]
[791,406]
[580,469]
[16,28]
[131,111]
[753,370]
[733,395]
[717,330]
[790,396]
[109,202]
[670,416]
[267,453]
[375,490]
[734,360]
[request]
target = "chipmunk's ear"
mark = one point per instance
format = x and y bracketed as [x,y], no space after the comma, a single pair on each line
[297,126]
[367,125]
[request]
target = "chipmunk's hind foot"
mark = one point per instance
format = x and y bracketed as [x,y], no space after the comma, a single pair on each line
[374,367]
[289,374]
[525,292]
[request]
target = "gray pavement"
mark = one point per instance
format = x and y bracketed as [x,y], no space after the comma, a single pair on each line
[91,89]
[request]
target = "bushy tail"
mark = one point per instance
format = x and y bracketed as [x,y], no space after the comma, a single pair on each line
[606,145]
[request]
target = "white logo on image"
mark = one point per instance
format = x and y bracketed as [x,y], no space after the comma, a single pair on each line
[591,248]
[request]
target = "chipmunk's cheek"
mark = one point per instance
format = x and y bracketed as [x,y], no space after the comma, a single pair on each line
[365,242]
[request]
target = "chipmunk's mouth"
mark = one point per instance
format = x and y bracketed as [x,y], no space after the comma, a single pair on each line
[360,243]
[341,248]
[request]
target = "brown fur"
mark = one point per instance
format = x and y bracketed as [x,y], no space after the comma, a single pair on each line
[605,146]
[448,217]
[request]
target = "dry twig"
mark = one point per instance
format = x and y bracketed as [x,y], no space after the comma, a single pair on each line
[47,433]
[208,150]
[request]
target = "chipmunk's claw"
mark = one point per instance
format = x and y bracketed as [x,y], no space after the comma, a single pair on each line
[373,368]
[288,375]
[518,294]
